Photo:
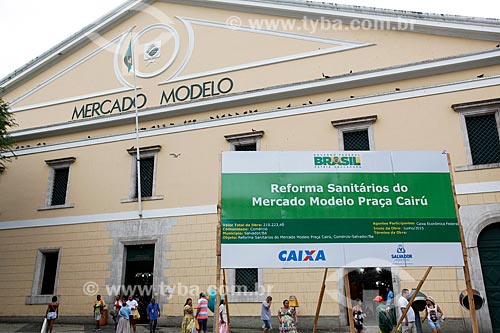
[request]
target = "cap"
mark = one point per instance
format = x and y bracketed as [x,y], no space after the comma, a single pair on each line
[378,299]
[429,298]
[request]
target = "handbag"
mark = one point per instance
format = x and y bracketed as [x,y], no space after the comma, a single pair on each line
[136,314]
[44,326]
[196,324]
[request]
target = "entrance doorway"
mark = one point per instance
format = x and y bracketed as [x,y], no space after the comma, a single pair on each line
[367,282]
[139,268]
[489,253]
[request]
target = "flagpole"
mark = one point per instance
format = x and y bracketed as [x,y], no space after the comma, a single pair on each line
[138,153]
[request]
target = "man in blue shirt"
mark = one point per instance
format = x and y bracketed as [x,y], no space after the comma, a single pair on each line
[153,311]
[390,297]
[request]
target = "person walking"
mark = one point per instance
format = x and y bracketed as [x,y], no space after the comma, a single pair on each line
[133,305]
[202,313]
[188,320]
[408,320]
[358,315]
[52,313]
[265,313]
[390,297]
[124,316]
[287,317]
[153,311]
[99,306]
[433,313]
[386,317]
[117,305]
[223,328]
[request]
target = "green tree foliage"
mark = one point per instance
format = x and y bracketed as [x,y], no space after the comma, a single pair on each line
[6,122]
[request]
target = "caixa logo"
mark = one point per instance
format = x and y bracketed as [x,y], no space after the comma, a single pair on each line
[302,255]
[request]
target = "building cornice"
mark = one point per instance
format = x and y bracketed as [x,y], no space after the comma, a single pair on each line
[435,24]
[271,114]
[354,80]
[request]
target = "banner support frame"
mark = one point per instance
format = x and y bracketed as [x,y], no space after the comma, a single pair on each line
[468,283]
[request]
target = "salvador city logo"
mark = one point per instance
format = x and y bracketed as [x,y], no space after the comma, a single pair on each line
[302,255]
[401,254]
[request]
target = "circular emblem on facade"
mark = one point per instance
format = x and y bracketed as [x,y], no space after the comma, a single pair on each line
[146,54]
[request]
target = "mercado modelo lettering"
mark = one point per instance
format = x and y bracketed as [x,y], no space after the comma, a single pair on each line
[195,91]
[108,106]
[178,94]
[340,201]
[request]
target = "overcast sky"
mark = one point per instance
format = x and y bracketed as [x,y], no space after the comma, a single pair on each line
[30,27]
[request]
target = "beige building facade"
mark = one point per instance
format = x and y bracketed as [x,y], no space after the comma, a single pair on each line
[224,75]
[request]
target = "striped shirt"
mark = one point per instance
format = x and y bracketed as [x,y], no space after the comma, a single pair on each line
[202,308]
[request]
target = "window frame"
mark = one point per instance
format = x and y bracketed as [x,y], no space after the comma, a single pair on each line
[145,152]
[60,163]
[246,297]
[355,125]
[471,109]
[36,297]
[242,139]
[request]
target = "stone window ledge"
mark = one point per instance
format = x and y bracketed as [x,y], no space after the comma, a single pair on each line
[56,207]
[477,167]
[156,197]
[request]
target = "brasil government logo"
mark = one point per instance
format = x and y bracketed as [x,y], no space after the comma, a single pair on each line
[302,255]
[331,160]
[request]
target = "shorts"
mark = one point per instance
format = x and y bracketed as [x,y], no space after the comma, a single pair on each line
[433,324]
[267,324]
[203,324]
[97,316]
[51,315]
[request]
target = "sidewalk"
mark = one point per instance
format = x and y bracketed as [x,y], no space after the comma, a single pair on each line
[67,328]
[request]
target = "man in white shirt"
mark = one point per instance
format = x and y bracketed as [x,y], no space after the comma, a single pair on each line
[409,320]
[132,304]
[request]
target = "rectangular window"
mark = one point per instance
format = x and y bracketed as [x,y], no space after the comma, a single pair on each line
[480,124]
[59,177]
[247,147]
[147,177]
[50,260]
[246,279]
[59,186]
[148,163]
[249,141]
[484,142]
[356,140]
[46,275]
[355,133]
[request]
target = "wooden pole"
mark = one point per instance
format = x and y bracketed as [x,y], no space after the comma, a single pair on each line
[218,269]
[218,250]
[320,301]
[472,305]
[348,301]
[410,302]
[226,300]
